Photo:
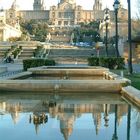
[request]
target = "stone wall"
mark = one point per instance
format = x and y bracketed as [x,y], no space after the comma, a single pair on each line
[60,38]
[7,31]
[37,15]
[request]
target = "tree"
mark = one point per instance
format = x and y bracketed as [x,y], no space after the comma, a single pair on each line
[90,30]
[136,21]
[38,29]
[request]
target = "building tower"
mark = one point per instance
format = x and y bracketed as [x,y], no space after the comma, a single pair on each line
[69,1]
[97,5]
[38,5]
[14,5]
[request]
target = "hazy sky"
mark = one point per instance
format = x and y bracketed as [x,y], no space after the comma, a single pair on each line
[87,4]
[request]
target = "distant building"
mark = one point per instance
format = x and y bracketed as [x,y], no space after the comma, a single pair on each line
[38,5]
[9,25]
[66,12]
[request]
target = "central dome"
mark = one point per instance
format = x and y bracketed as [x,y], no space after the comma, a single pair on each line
[69,1]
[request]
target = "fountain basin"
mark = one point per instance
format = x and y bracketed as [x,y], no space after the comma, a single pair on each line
[21,82]
[69,70]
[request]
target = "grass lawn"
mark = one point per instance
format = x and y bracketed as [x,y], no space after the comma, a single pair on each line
[135,77]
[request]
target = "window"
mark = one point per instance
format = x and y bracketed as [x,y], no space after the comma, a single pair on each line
[59,22]
[53,14]
[65,22]
[60,15]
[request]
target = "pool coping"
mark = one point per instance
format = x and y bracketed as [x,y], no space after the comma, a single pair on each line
[65,85]
[132,94]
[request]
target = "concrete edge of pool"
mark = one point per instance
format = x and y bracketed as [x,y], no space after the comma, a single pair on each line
[62,85]
[131,94]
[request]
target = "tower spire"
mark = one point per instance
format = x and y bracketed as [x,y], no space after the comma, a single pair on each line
[97,5]
[38,5]
[14,5]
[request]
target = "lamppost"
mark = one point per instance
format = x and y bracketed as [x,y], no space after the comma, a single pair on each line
[97,44]
[128,122]
[130,67]
[116,6]
[115,137]
[107,21]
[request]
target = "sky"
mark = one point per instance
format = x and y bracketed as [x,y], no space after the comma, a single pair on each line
[28,4]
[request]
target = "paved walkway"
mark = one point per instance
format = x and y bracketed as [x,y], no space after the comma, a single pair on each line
[136,68]
[12,68]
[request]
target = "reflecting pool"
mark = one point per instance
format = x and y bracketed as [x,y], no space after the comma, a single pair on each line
[63,77]
[28,116]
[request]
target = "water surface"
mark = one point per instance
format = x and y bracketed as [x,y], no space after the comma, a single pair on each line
[101,116]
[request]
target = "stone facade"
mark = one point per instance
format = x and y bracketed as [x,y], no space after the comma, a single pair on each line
[9,25]
[34,15]
[38,5]
[67,13]
[7,31]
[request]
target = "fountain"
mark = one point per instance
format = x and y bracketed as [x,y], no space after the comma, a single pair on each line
[65,79]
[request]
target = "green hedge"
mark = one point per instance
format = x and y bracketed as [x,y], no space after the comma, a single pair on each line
[108,62]
[93,61]
[30,63]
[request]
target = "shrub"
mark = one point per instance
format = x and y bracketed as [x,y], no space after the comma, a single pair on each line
[93,61]
[108,62]
[39,52]
[16,52]
[30,63]
[10,51]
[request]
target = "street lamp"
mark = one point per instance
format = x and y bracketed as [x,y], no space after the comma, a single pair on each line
[116,6]
[107,21]
[97,44]
[128,122]
[115,137]
[130,67]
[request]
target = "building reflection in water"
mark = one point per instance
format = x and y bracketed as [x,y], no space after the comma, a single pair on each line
[38,119]
[106,114]
[67,113]
[13,108]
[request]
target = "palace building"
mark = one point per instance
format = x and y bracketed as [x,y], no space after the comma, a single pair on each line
[9,24]
[67,12]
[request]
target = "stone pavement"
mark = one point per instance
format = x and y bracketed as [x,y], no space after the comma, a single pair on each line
[12,68]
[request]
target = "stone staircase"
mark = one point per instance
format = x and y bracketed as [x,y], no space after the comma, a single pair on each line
[27,46]
[2,51]
[26,53]
[69,55]
[71,52]
[60,55]
[76,55]
[27,49]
